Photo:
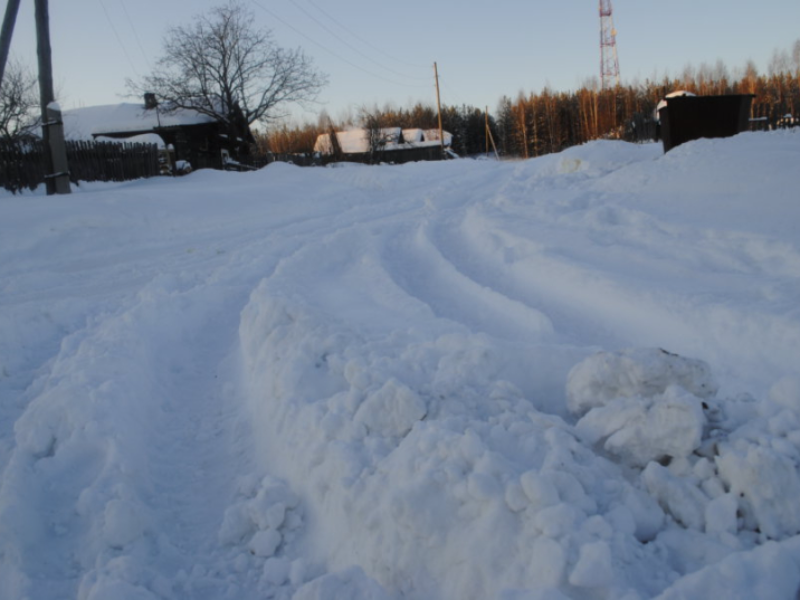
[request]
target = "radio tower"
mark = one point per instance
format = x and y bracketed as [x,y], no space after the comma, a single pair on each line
[609,63]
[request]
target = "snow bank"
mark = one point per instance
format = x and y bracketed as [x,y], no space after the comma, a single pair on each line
[446,477]
[432,381]
[422,430]
[475,481]
[85,426]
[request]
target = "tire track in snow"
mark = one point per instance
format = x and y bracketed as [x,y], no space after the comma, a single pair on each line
[582,305]
[199,449]
[129,453]
[94,457]
[50,296]
[420,268]
[585,305]
[144,485]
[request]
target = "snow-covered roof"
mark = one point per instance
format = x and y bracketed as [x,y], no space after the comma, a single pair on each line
[675,94]
[356,141]
[413,136]
[85,123]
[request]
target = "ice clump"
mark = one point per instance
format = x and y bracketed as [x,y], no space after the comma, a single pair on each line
[266,511]
[642,404]
[632,373]
[767,484]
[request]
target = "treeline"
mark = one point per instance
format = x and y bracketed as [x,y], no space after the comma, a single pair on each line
[549,121]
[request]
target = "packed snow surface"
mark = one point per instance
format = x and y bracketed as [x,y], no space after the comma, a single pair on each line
[573,377]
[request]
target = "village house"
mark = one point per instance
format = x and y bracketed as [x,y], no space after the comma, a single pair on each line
[190,137]
[389,144]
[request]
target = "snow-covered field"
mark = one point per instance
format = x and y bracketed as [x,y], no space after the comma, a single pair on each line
[570,377]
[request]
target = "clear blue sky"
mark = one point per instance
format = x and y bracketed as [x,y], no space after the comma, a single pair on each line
[377,52]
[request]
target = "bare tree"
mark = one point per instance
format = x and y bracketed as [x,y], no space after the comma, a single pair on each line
[19,101]
[780,63]
[378,129]
[796,56]
[222,66]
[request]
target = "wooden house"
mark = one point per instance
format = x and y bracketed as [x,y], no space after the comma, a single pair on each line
[199,139]
[389,144]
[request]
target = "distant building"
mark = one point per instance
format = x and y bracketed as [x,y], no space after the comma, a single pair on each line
[389,144]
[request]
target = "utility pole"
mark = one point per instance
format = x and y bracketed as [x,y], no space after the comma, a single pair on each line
[56,168]
[439,107]
[524,128]
[12,7]
[489,136]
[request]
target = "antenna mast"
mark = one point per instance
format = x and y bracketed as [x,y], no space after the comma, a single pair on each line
[609,63]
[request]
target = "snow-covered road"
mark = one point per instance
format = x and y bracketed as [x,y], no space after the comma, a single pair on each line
[436,380]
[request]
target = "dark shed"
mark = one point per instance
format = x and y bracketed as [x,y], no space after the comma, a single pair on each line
[686,118]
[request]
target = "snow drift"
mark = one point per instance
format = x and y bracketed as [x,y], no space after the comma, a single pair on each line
[569,377]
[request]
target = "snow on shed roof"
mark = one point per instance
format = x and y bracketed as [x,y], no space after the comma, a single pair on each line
[85,123]
[663,102]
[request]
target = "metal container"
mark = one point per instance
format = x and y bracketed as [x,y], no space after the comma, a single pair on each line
[686,118]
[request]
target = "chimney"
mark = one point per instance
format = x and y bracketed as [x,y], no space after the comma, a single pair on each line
[150,101]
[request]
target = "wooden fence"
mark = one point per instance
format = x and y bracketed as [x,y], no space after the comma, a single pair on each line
[22,162]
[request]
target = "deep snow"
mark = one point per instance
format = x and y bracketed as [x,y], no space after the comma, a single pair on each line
[576,376]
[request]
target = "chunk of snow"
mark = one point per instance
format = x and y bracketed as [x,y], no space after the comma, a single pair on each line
[679,497]
[642,373]
[392,410]
[594,568]
[640,430]
[720,514]
[767,482]
[265,543]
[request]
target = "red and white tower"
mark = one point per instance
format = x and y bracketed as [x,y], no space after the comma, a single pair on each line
[609,63]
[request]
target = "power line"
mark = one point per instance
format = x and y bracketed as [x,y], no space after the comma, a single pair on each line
[349,45]
[331,52]
[119,40]
[451,92]
[363,41]
[135,33]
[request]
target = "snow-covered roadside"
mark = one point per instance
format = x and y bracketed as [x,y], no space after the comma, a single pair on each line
[426,381]
[399,393]
[125,430]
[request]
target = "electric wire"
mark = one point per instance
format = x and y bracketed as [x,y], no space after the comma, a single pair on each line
[456,98]
[356,36]
[331,52]
[349,45]
[119,40]
[135,33]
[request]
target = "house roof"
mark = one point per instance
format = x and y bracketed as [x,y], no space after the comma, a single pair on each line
[356,141]
[86,123]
